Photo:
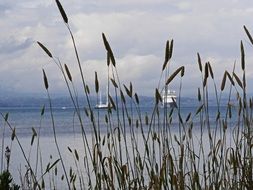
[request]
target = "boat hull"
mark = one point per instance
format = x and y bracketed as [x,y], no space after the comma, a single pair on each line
[102,106]
[169,99]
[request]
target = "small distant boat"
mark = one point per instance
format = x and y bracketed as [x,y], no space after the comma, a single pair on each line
[169,98]
[102,105]
[105,105]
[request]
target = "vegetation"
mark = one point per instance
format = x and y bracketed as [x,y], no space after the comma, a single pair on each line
[6,181]
[140,151]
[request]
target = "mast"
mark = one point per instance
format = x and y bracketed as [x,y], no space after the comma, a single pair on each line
[107,87]
[100,98]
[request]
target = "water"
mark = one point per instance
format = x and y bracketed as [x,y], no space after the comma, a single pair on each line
[23,119]
[66,121]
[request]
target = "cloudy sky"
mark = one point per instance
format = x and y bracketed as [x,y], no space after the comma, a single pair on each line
[137,32]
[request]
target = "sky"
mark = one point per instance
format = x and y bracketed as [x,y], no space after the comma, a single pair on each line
[137,32]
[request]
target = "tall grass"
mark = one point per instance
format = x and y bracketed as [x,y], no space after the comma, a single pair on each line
[145,151]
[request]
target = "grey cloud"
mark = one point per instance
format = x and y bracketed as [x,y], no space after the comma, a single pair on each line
[12,45]
[110,6]
[4,8]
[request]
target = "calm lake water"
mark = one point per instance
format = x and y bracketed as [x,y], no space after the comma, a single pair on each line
[66,121]
[68,133]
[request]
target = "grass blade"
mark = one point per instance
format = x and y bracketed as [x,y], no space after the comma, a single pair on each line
[45,49]
[136,98]
[223,81]
[158,96]
[171,49]
[128,91]
[239,82]
[199,62]
[182,72]
[51,166]
[6,116]
[45,79]
[248,34]
[206,74]
[96,82]
[167,49]
[242,57]
[199,95]
[174,75]
[210,70]
[109,50]
[114,83]
[63,14]
[122,97]
[230,78]
[13,135]
[68,72]
[42,110]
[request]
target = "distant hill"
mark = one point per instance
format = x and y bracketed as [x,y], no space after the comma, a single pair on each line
[64,101]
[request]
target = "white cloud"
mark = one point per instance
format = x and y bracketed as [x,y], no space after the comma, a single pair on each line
[136,30]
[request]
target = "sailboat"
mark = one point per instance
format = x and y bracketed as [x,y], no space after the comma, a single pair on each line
[105,105]
[102,105]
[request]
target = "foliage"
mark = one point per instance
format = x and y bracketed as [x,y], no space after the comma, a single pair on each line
[6,181]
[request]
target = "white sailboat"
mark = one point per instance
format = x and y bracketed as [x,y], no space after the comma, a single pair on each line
[102,105]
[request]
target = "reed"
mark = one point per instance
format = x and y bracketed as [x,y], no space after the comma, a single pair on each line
[145,150]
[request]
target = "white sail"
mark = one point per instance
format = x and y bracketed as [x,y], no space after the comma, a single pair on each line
[105,105]
[102,105]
